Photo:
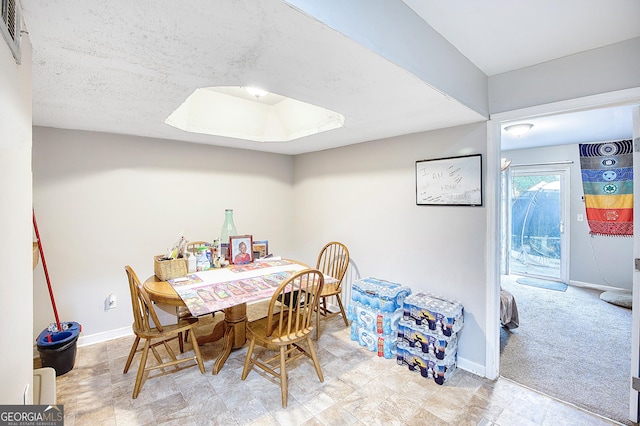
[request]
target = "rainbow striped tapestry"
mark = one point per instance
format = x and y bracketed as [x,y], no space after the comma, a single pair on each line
[607,181]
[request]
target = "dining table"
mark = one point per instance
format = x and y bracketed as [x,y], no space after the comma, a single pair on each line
[226,289]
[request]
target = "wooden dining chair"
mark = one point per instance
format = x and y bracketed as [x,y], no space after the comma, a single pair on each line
[333,261]
[285,328]
[146,326]
[193,246]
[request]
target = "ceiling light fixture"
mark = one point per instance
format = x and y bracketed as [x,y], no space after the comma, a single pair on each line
[254,91]
[519,129]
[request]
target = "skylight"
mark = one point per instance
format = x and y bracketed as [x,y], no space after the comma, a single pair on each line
[231,111]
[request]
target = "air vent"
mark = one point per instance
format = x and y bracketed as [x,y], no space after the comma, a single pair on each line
[10,27]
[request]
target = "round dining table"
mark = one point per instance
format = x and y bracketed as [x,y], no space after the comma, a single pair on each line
[232,329]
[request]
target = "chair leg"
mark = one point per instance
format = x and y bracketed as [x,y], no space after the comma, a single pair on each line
[316,364]
[344,314]
[181,342]
[317,333]
[248,363]
[283,376]
[134,348]
[143,364]
[196,350]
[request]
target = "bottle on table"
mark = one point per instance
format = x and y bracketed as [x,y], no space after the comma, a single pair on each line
[228,230]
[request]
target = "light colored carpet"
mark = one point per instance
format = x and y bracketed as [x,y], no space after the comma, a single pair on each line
[570,345]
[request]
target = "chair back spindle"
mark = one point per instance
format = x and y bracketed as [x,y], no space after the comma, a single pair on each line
[295,313]
[333,260]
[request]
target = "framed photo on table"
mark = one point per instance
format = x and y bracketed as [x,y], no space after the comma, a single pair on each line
[260,249]
[241,249]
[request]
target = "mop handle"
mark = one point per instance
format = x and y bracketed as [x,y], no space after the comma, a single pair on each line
[46,271]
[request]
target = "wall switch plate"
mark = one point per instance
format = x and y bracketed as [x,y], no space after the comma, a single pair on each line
[110,302]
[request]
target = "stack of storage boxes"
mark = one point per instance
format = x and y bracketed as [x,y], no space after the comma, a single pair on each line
[427,335]
[375,310]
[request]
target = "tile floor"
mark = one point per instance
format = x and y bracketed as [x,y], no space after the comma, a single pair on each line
[359,389]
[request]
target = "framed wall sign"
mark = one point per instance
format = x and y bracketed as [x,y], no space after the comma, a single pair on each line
[452,181]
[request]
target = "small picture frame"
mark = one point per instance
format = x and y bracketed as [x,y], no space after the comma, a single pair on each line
[241,254]
[260,249]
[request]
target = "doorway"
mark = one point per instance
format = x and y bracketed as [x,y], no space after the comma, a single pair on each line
[493,352]
[535,230]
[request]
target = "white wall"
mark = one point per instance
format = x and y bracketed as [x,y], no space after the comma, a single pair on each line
[599,260]
[104,201]
[16,368]
[606,69]
[364,196]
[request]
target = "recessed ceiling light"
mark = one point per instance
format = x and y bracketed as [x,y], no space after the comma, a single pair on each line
[519,129]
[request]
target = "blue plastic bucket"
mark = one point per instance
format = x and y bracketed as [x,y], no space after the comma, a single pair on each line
[58,348]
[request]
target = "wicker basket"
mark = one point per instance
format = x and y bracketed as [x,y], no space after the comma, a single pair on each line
[167,269]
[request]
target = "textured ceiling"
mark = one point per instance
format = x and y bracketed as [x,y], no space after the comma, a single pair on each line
[504,35]
[123,67]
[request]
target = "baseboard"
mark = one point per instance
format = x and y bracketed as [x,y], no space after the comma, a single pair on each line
[334,308]
[472,367]
[595,286]
[104,336]
[86,340]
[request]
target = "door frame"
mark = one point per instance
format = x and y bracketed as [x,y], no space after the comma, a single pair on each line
[634,396]
[492,326]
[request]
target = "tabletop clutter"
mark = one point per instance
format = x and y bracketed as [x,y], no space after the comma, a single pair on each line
[178,261]
[419,330]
